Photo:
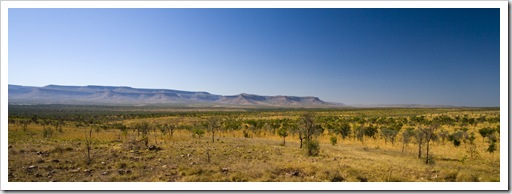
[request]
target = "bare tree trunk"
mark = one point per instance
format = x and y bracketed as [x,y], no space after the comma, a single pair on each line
[419,149]
[213,136]
[426,160]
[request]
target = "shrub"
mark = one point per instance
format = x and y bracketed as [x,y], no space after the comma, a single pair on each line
[313,148]
[47,132]
[198,132]
[334,140]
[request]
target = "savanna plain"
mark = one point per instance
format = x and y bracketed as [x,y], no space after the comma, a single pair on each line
[67,143]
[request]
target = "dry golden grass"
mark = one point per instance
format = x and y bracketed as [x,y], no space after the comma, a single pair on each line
[234,158]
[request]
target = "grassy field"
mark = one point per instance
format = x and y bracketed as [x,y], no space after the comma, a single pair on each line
[244,153]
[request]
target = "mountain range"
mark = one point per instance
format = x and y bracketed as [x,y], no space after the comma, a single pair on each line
[122,95]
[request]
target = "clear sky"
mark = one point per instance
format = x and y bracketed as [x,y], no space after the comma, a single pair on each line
[353,56]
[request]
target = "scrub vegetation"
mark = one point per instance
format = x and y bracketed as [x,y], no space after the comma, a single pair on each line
[64,143]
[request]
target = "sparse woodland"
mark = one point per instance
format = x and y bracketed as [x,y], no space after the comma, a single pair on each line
[101,143]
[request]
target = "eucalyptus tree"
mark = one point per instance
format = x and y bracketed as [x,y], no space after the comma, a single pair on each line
[407,135]
[212,124]
[310,130]
[429,133]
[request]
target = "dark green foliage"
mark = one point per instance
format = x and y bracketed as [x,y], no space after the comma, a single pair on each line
[456,142]
[420,138]
[492,143]
[334,140]
[198,131]
[313,148]
[345,130]
[406,137]
[283,132]
[484,132]
[390,133]
[457,137]
[370,131]
[309,132]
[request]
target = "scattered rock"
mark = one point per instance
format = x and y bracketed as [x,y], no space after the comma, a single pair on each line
[122,172]
[103,163]
[104,173]
[45,153]
[337,179]
[224,170]
[362,179]
[55,160]
[164,166]
[192,163]
[75,171]
[87,171]
[188,155]
[32,167]
[154,148]
[40,161]
[295,173]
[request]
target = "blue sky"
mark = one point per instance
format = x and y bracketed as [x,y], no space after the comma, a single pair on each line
[353,56]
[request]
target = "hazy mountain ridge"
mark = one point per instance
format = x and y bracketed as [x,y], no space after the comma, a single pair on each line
[123,95]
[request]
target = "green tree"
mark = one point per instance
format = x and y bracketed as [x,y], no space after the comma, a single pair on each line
[311,129]
[484,132]
[429,132]
[406,137]
[212,124]
[345,130]
[283,132]
[419,136]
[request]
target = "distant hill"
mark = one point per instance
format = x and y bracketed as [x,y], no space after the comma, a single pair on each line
[402,106]
[122,95]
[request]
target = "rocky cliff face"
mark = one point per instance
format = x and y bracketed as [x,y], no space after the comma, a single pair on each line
[55,94]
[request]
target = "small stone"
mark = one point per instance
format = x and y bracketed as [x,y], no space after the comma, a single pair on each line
[32,167]
[104,173]
[164,166]
[224,170]
[75,171]
[188,155]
